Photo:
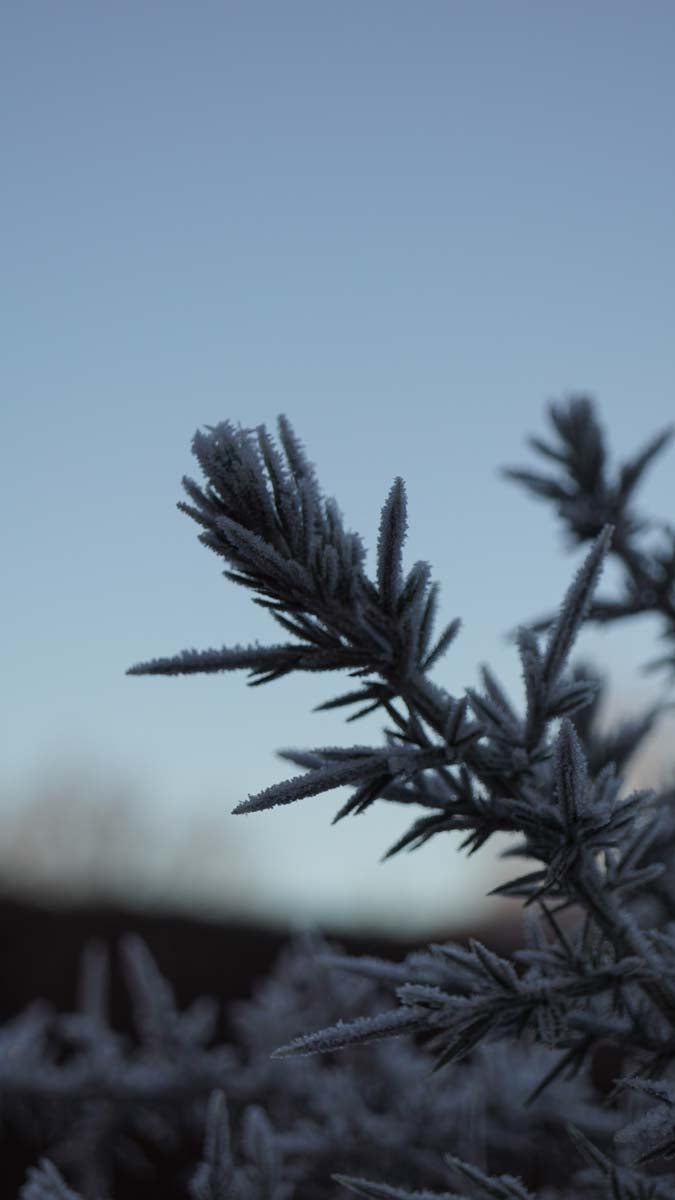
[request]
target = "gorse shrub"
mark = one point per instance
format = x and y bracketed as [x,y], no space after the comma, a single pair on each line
[489,1089]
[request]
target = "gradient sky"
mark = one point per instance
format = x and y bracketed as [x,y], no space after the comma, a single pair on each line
[407,226]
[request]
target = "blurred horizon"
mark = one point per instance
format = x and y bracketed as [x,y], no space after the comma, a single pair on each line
[82,833]
[406,228]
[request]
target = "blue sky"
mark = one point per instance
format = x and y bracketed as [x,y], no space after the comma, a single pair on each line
[407,226]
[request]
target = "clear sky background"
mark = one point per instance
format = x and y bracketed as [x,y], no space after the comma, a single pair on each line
[405,225]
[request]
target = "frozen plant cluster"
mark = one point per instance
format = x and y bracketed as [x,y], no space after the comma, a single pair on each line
[488,1089]
[109,1107]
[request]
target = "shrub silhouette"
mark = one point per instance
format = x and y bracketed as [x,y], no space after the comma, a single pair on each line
[491,1092]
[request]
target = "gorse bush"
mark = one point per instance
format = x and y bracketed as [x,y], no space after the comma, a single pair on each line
[489,1088]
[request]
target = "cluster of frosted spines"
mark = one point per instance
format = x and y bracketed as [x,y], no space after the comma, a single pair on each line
[261,509]
[97,1096]
[558,786]
[587,497]
[318,1113]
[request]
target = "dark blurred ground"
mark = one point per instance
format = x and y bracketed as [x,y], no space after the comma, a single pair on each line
[40,950]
